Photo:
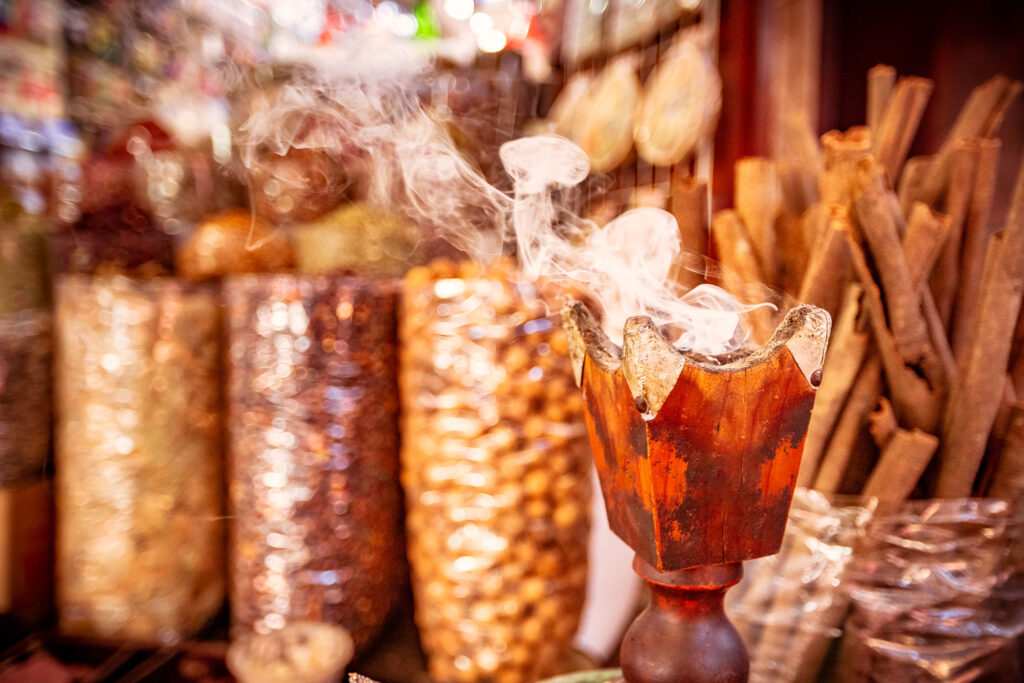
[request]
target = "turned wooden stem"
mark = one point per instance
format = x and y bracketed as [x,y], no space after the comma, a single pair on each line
[684,635]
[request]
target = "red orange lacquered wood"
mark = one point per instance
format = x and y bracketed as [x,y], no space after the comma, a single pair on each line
[684,635]
[700,482]
[709,479]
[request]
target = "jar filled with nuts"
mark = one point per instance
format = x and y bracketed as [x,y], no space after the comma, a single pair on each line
[313,491]
[495,468]
[138,459]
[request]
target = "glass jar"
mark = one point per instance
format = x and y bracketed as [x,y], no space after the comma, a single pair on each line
[314,500]
[937,592]
[789,608]
[138,460]
[495,468]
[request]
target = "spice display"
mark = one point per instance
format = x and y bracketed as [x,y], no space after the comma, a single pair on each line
[138,481]
[936,594]
[233,241]
[495,469]
[24,395]
[357,237]
[115,239]
[313,489]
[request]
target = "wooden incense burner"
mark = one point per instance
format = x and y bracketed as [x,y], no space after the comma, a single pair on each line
[697,458]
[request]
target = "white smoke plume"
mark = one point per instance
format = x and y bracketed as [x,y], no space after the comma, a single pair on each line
[338,104]
[629,266]
[367,99]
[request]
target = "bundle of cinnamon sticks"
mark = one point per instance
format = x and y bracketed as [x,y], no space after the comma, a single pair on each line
[923,388]
[922,392]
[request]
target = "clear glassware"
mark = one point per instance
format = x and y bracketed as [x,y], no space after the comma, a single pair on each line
[790,607]
[937,592]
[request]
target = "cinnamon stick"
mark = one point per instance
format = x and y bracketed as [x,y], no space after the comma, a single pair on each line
[799,188]
[922,244]
[878,225]
[862,398]
[757,202]
[1006,403]
[847,349]
[914,171]
[901,465]
[881,79]
[975,238]
[688,203]
[1008,481]
[997,439]
[979,116]
[801,146]
[784,640]
[899,122]
[814,223]
[915,403]
[756,595]
[799,165]
[734,249]
[940,342]
[1017,365]
[882,422]
[996,119]
[946,273]
[829,266]
[842,153]
[814,645]
[794,253]
[972,407]
[741,272]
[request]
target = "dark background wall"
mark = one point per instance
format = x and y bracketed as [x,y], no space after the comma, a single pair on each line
[957,44]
